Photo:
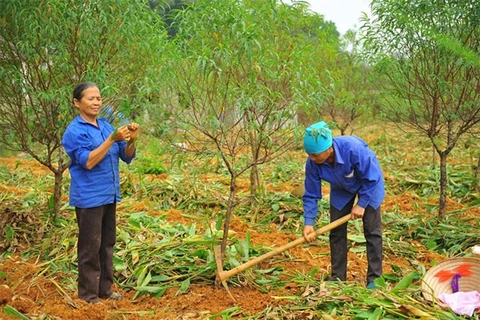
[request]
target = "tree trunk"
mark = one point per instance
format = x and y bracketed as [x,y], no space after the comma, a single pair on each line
[254,180]
[226,224]
[57,193]
[443,185]
[476,176]
[62,165]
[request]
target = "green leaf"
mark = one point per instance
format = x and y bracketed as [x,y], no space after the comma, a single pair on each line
[149,289]
[9,232]
[431,245]
[233,262]
[265,281]
[184,286]
[358,249]
[147,280]
[405,282]
[224,313]
[242,248]
[390,277]
[376,314]
[11,311]
[380,282]
[160,278]
[141,275]
[357,238]
[265,271]
[160,293]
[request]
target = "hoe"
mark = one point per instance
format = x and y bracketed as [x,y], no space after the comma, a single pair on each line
[224,275]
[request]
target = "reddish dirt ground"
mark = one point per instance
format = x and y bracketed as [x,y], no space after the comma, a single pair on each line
[30,293]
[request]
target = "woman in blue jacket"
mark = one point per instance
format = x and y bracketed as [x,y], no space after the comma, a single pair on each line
[95,147]
[356,188]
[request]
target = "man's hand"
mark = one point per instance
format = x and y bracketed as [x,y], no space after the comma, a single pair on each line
[357,212]
[308,233]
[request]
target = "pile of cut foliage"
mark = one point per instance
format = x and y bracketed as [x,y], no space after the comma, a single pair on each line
[171,218]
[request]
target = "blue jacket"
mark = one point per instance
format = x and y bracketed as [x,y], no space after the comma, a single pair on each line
[100,185]
[356,172]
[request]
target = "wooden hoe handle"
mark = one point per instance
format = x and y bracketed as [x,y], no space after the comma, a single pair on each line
[224,275]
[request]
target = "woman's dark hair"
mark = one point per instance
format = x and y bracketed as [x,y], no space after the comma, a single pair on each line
[78,90]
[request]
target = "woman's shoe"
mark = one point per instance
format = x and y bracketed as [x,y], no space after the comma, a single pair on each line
[114,296]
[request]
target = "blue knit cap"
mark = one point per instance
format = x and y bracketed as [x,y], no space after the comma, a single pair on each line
[318,138]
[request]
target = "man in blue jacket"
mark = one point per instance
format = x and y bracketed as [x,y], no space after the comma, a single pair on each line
[356,188]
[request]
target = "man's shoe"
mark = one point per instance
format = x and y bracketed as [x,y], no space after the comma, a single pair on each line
[331,279]
[371,285]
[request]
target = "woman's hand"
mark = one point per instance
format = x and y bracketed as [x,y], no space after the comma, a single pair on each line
[127,133]
[133,129]
[121,133]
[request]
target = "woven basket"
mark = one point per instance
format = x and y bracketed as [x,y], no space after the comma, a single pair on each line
[438,279]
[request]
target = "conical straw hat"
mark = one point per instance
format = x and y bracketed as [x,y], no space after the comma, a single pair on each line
[438,279]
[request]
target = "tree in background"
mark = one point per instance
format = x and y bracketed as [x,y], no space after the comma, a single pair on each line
[242,72]
[472,139]
[47,47]
[168,9]
[432,87]
[348,89]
